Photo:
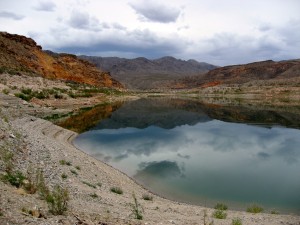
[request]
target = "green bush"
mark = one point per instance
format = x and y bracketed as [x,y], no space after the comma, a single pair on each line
[64,176]
[26,91]
[219,214]
[116,190]
[236,221]
[255,209]
[5,91]
[23,96]
[221,206]
[58,200]
[16,178]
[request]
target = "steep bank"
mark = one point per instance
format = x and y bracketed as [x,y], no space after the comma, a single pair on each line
[40,144]
[19,54]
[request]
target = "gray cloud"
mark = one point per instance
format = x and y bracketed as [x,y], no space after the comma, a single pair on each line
[79,20]
[119,42]
[47,6]
[155,12]
[86,22]
[10,15]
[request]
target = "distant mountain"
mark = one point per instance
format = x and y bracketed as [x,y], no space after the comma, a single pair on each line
[19,54]
[237,74]
[142,73]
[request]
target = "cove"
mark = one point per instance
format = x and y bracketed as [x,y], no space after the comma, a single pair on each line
[203,154]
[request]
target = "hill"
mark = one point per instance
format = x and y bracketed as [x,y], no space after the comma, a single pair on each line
[143,73]
[21,54]
[239,74]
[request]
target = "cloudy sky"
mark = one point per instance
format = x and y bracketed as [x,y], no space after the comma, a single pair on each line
[214,31]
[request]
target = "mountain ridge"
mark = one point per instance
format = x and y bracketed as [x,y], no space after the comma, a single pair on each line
[243,73]
[143,73]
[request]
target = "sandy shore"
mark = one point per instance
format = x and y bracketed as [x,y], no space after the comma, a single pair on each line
[40,144]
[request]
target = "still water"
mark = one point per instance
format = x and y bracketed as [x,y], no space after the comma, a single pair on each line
[203,154]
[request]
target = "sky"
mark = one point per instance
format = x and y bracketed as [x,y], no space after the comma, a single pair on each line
[220,32]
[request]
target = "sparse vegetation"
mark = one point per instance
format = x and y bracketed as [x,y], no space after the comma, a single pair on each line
[31,184]
[147,197]
[219,214]
[77,167]
[236,221]
[14,178]
[64,162]
[255,209]
[7,157]
[94,195]
[116,190]
[64,176]
[89,184]
[136,208]
[221,206]
[5,91]
[275,212]
[58,200]
[74,172]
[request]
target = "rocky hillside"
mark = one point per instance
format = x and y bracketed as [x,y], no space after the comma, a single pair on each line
[142,73]
[238,74]
[19,54]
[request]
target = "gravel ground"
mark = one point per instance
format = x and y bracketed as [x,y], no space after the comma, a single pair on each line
[37,143]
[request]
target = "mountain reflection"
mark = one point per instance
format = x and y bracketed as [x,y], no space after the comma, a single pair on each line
[182,149]
[169,113]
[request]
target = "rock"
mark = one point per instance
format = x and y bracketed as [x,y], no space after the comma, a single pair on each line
[12,136]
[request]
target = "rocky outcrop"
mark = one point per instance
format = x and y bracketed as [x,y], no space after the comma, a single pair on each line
[237,74]
[143,73]
[22,55]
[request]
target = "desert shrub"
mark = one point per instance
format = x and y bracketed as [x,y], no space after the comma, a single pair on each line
[23,96]
[58,200]
[7,157]
[116,190]
[255,209]
[236,221]
[136,209]
[64,176]
[89,184]
[221,206]
[94,195]
[26,91]
[147,197]
[58,96]
[77,168]
[5,91]
[219,214]
[64,162]
[74,172]
[14,178]
[274,212]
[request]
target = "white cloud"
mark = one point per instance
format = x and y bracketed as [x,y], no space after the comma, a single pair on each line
[10,15]
[47,6]
[155,11]
[231,33]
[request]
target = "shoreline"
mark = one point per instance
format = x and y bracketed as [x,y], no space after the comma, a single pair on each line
[45,144]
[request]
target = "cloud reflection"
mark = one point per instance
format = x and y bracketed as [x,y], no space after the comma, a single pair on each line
[159,169]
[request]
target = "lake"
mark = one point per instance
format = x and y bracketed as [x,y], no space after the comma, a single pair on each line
[203,154]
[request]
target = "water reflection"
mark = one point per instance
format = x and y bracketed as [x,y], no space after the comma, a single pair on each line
[208,160]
